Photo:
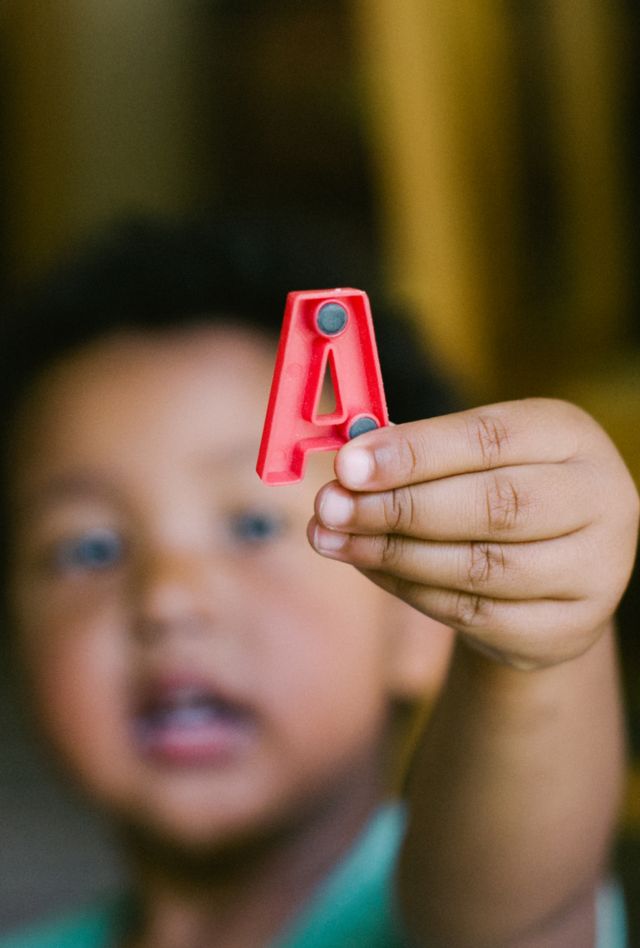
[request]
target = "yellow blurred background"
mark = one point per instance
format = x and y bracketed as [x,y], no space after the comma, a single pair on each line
[485,149]
[505,184]
[486,146]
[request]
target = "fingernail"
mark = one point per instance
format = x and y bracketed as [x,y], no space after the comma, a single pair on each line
[356,467]
[336,508]
[328,541]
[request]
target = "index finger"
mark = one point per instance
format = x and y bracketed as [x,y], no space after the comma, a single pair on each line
[535,430]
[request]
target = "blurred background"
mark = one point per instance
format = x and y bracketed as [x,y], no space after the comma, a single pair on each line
[483,153]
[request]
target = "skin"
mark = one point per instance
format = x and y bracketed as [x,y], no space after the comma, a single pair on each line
[149,443]
[514,525]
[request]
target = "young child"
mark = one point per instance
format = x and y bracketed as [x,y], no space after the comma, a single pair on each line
[227,696]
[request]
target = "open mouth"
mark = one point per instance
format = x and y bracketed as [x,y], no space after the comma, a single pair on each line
[190,723]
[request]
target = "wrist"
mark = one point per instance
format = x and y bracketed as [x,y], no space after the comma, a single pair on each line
[493,680]
[522,659]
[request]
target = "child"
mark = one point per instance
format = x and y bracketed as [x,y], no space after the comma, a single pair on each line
[227,696]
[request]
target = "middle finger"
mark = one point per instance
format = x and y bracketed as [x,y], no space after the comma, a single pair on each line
[527,502]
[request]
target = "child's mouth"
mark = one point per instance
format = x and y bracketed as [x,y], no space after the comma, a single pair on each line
[190,723]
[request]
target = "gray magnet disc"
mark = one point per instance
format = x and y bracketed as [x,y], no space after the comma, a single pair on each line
[331,319]
[360,425]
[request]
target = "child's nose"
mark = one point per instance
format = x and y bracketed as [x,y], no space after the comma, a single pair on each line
[176,592]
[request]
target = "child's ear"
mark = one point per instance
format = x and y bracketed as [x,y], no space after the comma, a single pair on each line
[420,653]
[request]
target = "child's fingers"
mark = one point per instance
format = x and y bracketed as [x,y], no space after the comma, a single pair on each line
[535,430]
[499,570]
[526,633]
[528,502]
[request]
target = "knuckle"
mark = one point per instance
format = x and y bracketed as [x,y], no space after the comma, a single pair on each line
[571,413]
[407,590]
[472,610]
[486,562]
[504,504]
[398,509]
[410,458]
[389,549]
[491,435]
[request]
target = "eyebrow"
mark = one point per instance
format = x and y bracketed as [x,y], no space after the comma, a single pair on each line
[90,485]
[69,486]
[233,455]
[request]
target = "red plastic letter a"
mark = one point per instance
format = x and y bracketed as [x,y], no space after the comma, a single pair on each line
[323,331]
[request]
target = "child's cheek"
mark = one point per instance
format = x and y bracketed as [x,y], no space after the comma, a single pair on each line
[68,637]
[78,677]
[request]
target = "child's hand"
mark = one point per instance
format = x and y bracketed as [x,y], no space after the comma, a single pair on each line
[514,524]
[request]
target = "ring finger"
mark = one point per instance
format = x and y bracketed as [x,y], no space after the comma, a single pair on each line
[501,570]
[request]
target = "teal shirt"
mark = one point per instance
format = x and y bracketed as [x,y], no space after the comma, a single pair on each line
[353,908]
[103,925]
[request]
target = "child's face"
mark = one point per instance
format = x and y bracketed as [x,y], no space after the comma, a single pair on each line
[203,672]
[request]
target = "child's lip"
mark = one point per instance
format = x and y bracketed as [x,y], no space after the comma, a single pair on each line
[184,719]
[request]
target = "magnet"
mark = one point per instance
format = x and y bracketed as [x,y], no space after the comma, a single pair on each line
[361,425]
[323,332]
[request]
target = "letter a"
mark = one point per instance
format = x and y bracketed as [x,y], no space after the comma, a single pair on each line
[323,331]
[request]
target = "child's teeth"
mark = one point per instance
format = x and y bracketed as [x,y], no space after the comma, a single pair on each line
[187,709]
[190,724]
[186,697]
[189,715]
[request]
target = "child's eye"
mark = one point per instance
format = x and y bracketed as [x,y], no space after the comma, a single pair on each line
[93,551]
[256,526]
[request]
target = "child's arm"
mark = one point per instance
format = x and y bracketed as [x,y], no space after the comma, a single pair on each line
[516,525]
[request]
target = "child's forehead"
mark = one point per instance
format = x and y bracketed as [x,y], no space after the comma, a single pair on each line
[169,344]
[135,357]
[207,382]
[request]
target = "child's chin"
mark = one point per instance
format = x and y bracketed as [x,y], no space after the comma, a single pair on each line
[198,818]
[195,843]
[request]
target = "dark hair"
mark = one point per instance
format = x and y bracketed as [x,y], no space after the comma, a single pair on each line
[154,274]
[151,274]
